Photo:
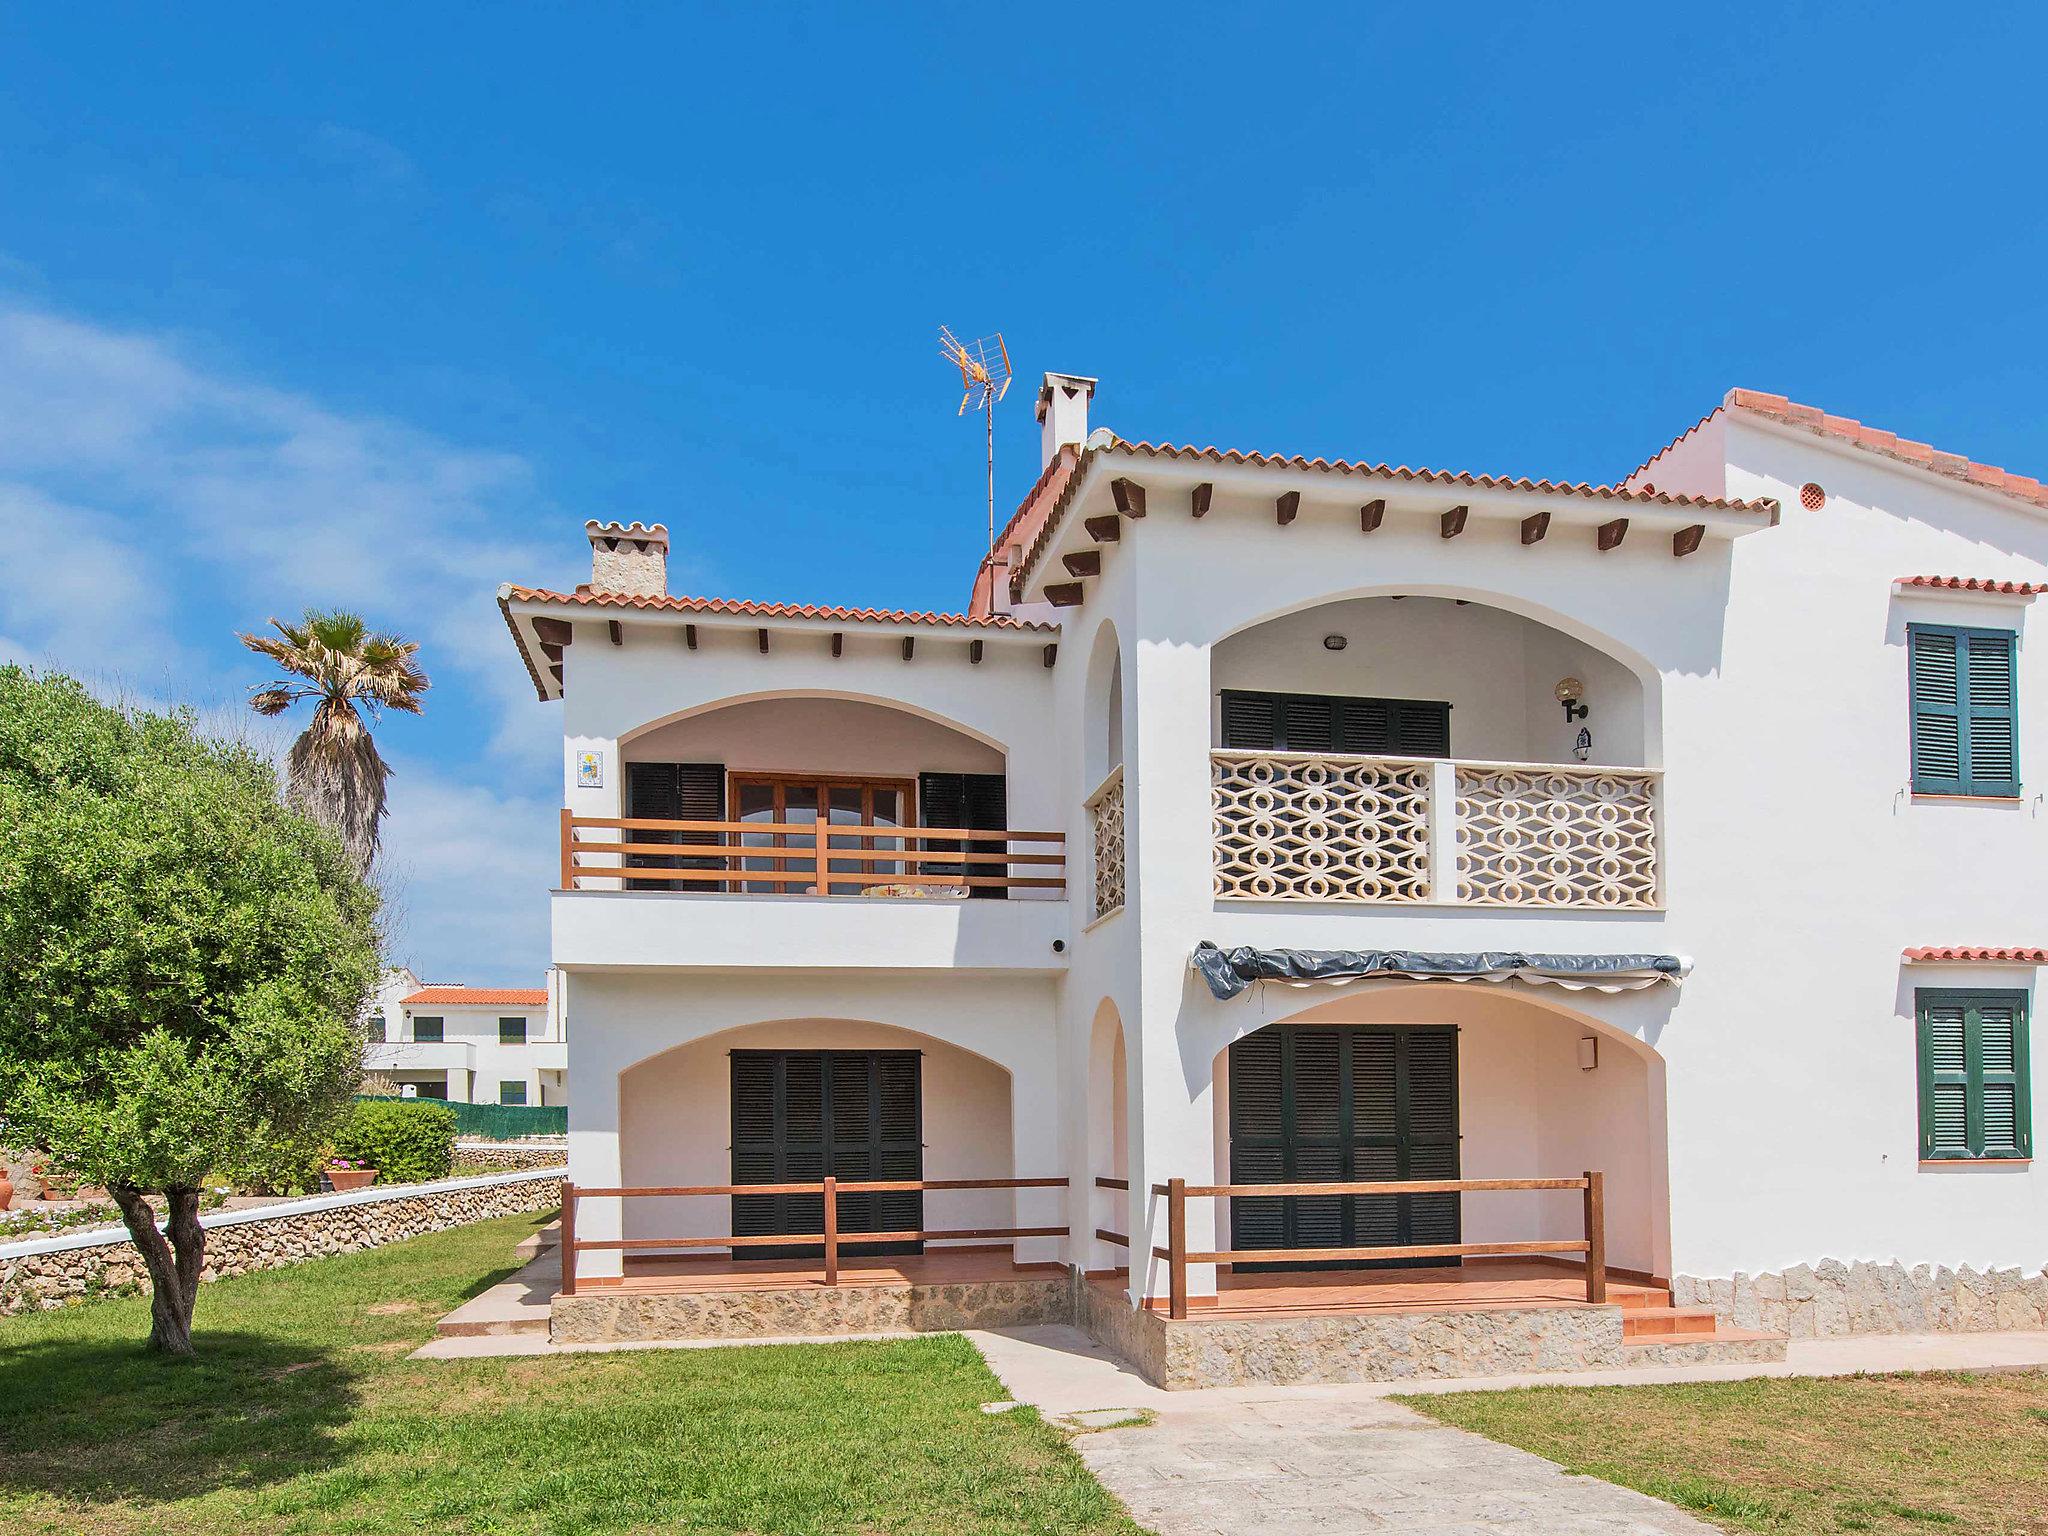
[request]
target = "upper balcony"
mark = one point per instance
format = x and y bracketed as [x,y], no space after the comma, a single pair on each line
[810,831]
[1419,751]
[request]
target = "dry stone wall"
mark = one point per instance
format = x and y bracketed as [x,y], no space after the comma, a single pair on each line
[48,1272]
[472,1155]
[1831,1298]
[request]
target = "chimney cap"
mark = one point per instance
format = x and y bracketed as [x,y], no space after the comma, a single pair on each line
[1079,382]
[651,534]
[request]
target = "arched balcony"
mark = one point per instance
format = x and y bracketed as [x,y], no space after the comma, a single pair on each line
[1432,750]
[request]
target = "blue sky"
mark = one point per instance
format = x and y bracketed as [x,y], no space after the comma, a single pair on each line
[375,305]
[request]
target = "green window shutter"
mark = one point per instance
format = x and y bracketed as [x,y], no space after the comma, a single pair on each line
[1965,710]
[1974,1099]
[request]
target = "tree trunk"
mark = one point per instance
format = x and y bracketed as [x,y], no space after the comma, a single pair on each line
[174,1266]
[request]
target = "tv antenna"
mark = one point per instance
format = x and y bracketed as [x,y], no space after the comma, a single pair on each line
[984,366]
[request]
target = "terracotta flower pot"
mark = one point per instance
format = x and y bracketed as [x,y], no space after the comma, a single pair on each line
[6,1191]
[344,1179]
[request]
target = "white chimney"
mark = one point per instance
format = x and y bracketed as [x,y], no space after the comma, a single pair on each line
[628,559]
[1063,412]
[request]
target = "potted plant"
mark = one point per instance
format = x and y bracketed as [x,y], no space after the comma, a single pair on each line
[346,1173]
[57,1184]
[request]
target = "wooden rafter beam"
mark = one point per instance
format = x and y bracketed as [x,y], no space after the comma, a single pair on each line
[764,640]
[618,631]
[909,645]
[1052,654]
[1203,495]
[838,642]
[1611,534]
[1371,515]
[1534,527]
[1083,562]
[1287,507]
[690,636]
[974,652]
[1103,530]
[554,631]
[1129,497]
[1064,594]
[1688,539]
[1453,521]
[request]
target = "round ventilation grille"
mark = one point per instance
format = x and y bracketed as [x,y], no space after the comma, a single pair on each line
[1812,497]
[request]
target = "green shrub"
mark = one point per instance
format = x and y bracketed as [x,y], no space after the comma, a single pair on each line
[274,1165]
[403,1139]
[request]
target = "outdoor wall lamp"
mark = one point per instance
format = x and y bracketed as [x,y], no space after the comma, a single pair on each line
[1569,692]
[1334,642]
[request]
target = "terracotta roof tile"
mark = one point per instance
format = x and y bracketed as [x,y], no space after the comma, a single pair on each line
[1965,953]
[1847,429]
[1048,527]
[752,609]
[500,997]
[1974,584]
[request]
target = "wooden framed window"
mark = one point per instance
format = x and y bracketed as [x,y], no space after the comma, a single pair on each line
[510,1092]
[427,1031]
[511,1031]
[796,799]
[1965,710]
[379,1030]
[1974,1099]
[1326,722]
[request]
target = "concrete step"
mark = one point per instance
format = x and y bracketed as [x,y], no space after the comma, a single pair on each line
[1648,1322]
[1724,1346]
[515,1305]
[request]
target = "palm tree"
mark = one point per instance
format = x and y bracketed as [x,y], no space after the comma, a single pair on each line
[334,773]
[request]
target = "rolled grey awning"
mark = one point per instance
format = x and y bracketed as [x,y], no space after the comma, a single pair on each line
[1229,972]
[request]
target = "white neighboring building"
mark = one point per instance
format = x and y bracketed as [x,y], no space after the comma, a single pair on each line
[1677,829]
[482,1045]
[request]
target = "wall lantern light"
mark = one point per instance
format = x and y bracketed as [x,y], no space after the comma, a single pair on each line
[1589,1052]
[1334,642]
[1569,691]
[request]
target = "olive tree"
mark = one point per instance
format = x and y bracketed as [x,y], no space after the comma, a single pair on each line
[182,962]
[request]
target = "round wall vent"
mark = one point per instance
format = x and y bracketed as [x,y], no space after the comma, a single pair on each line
[1812,496]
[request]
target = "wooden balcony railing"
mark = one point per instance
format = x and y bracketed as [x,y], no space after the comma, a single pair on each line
[1177,1193]
[752,857]
[1295,826]
[828,1237]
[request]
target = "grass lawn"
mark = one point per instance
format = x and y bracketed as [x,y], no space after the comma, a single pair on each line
[1864,1453]
[302,1414]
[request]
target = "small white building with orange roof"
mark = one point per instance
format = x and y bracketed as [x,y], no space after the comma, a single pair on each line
[469,1045]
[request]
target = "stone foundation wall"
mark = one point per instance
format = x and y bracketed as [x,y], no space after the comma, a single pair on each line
[605,1314]
[470,1155]
[54,1271]
[1824,1300]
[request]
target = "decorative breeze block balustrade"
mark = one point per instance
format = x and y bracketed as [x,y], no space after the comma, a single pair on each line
[1107,808]
[1537,836]
[1320,828]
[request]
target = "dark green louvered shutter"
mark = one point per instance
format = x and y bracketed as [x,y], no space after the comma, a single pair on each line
[1965,710]
[674,792]
[1973,1075]
[1344,1104]
[980,802]
[1319,722]
[798,1115]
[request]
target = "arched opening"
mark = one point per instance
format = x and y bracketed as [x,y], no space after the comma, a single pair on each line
[795,1099]
[793,763]
[1109,1135]
[1446,1080]
[1104,712]
[1428,748]
[1472,680]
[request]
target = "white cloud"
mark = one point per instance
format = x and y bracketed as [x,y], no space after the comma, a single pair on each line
[147,498]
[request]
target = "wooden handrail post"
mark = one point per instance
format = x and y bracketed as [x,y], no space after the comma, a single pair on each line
[831,1230]
[1596,1238]
[568,1238]
[1177,1248]
[568,857]
[825,842]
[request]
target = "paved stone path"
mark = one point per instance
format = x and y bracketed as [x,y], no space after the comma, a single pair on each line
[1333,1467]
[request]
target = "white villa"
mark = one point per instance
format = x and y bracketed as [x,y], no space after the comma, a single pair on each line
[470,1045]
[1316,920]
